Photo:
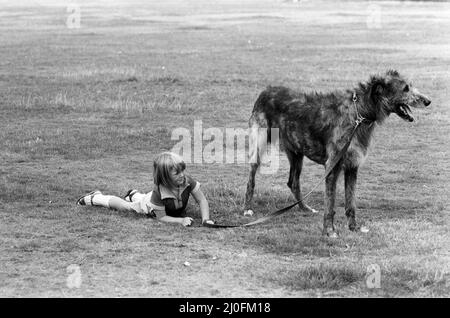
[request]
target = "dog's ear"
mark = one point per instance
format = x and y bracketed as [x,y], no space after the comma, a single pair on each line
[377,88]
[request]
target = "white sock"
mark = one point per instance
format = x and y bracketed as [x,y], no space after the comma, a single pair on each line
[102,200]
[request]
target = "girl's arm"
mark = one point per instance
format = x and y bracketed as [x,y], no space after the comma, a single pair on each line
[161,216]
[203,203]
[187,221]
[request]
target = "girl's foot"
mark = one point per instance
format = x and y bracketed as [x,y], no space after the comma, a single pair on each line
[129,196]
[87,198]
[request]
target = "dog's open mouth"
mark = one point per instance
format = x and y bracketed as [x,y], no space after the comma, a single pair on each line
[404,112]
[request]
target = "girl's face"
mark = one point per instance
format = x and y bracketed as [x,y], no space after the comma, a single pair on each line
[178,177]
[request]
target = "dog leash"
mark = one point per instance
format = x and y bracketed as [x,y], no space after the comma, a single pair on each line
[359,120]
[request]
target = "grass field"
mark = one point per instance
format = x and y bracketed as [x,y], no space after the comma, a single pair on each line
[89,108]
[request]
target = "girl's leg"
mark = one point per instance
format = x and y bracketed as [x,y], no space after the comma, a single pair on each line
[133,196]
[96,198]
[137,197]
[120,204]
[110,201]
[116,203]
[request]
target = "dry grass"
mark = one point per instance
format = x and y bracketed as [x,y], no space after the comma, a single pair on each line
[89,108]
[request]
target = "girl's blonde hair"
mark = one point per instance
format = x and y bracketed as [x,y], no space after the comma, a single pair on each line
[162,166]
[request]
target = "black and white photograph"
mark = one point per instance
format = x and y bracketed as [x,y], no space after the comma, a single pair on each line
[224,154]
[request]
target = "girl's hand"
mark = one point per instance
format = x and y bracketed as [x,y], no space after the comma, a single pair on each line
[187,221]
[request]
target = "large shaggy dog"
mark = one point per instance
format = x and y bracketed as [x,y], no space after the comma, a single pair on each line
[318,125]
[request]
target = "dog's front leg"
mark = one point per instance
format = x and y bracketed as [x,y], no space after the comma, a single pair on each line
[250,189]
[350,196]
[330,196]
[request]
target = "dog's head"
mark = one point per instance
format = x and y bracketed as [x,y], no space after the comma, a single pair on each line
[396,95]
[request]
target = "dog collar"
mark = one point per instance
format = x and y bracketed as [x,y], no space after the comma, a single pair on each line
[359,119]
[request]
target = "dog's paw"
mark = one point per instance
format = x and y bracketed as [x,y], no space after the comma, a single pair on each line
[330,232]
[364,229]
[248,212]
[333,235]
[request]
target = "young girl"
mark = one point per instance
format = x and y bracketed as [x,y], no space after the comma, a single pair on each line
[169,197]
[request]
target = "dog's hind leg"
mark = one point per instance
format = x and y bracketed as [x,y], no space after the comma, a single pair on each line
[257,145]
[350,190]
[296,164]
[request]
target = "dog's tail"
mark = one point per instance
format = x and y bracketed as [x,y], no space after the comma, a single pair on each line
[260,129]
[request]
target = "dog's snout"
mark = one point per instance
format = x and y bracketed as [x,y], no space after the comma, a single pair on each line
[426,102]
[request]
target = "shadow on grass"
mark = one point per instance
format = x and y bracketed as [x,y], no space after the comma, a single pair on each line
[406,281]
[394,282]
[323,276]
[286,242]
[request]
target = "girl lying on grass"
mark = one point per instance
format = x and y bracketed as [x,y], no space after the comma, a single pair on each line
[169,197]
